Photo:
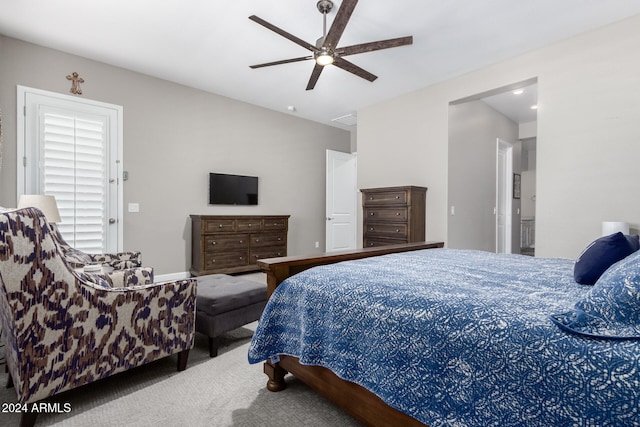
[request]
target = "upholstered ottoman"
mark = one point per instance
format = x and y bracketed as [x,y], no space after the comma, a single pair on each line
[225,303]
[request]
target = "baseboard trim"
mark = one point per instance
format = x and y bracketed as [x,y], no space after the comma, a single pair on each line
[172,276]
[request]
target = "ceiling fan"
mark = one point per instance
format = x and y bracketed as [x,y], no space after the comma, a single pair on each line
[326,50]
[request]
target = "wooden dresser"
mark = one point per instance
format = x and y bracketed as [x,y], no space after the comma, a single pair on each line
[393,215]
[233,243]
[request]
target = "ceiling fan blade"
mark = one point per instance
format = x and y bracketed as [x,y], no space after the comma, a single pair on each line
[371,46]
[339,23]
[283,33]
[284,61]
[354,69]
[315,75]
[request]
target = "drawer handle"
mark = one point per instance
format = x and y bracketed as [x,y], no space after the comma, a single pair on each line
[219,225]
[371,229]
[279,239]
[397,213]
[279,253]
[241,241]
[213,243]
[370,244]
[397,197]
[249,224]
[371,214]
[397,230]
[370,197]
[241,258]
[257,240]
[275,224]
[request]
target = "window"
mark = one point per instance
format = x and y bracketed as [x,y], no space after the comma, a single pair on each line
[71,149]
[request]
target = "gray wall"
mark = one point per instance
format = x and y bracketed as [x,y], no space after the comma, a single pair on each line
[587,144]
[473,130]
[173,137]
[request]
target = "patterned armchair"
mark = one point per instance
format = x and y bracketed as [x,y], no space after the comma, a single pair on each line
[65,328]
[77,258]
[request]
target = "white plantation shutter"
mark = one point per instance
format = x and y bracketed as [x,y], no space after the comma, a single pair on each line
[74,154]
[71,148]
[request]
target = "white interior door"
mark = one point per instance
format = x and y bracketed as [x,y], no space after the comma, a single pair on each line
[504,190]
[341,201]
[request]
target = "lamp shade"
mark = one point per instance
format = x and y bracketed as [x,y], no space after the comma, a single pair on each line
[610,227]
[47,204]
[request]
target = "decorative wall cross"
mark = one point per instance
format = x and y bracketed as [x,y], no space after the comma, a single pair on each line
[75,84]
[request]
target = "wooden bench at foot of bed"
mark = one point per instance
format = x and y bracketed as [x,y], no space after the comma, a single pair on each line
[354,399]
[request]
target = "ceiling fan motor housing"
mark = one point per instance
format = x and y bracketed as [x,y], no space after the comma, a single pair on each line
[325,6]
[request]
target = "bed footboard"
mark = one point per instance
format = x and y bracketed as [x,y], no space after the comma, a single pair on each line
[278,269]
[354,399]
[359,402]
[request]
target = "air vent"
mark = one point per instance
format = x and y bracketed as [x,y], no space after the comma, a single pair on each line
[349,120]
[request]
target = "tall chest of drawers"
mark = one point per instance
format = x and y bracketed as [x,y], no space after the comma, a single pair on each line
[232,244]
[393,215]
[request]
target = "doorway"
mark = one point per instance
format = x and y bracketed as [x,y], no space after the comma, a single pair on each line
[71,148]
[475,122]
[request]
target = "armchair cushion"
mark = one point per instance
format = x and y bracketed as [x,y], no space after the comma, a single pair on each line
[63,331]
[125,278]
[118,261]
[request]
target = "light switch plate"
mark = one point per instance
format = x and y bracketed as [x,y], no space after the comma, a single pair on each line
[134,207]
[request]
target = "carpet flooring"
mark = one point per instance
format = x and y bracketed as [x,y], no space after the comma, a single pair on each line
[221,391]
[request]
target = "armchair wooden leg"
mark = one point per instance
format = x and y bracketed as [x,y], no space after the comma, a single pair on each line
[182,360]
[28,419]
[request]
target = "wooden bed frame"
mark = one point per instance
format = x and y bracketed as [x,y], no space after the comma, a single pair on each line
[354,399]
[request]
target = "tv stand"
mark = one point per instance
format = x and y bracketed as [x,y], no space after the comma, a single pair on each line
[234,243]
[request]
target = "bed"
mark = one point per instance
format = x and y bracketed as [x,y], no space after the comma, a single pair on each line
[421,335]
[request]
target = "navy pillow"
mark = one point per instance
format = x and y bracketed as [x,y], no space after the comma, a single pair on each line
[634,241]
[600,255]
[611,309]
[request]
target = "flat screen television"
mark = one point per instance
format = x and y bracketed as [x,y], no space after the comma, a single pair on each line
[227,189]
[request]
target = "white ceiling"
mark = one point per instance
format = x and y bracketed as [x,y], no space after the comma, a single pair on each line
[516,105]
[209,44]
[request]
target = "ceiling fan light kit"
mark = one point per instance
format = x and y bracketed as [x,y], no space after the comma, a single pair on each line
[326,52]
[324,58]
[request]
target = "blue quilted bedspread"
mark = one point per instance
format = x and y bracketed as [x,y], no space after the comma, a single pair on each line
[456,338]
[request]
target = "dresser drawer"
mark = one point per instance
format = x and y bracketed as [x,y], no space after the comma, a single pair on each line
[386,198]
[218,225]
[247,225]
[275,224]
[214,261]
[386,230]
[221,243]
[373,243]
[270,252]
[267,239]
[380,214]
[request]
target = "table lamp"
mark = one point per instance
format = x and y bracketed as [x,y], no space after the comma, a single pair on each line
[47,204]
